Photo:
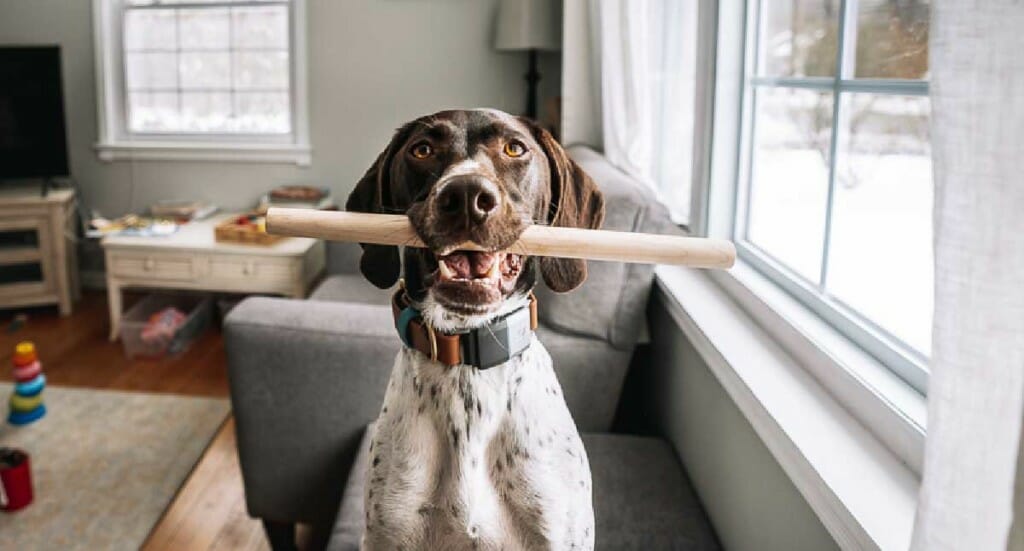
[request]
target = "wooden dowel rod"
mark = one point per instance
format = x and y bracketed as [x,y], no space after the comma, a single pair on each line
[394,229]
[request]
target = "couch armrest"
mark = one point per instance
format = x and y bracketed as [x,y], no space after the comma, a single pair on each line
[306,378]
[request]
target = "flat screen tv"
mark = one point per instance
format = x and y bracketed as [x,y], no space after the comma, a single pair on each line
[32,135]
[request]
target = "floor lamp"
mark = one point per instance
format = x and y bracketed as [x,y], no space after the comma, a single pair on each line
[531,26]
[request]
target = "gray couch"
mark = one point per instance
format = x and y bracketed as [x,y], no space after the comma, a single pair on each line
[307,377]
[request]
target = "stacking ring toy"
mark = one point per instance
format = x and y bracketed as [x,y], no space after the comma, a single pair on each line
[24,353]
[26,373]
[25,404]
[17,418]
[32,387]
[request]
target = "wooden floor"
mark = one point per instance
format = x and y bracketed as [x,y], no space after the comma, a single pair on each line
[75,352]
[209,510]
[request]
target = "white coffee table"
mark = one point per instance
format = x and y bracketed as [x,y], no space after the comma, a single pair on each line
[192,259]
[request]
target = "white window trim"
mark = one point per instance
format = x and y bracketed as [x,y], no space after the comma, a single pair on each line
[901,358]
[115,143]
[864,494]
[876,397]
[887,405]
[847,431]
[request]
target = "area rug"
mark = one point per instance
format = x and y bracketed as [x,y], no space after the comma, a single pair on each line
[105,465]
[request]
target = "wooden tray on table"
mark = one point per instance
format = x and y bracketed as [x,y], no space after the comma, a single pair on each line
[251,232]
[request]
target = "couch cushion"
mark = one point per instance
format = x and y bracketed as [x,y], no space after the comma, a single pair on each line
[611,304]
[642,498]
[350,288]
[591,372]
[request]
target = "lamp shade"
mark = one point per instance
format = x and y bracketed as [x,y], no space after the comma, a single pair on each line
[529,25]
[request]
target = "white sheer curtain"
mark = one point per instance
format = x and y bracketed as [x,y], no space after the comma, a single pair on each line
[631,64]
[976,392]
[624,36]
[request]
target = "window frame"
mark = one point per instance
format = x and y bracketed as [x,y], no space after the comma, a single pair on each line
[887,405]
[117,142]
[909,364]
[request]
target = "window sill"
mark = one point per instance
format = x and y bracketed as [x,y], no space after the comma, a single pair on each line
[879,399]
[300,155]
[863,491]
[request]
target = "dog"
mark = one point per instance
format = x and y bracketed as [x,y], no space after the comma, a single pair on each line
[475,456]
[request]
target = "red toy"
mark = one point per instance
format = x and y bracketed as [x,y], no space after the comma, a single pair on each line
[15,480]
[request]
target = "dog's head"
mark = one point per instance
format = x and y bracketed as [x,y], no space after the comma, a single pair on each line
[480,176]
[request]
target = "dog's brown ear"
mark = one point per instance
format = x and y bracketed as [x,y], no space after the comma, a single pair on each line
[576,202]
[380,264]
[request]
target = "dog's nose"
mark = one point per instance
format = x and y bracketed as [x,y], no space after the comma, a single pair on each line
[472,198]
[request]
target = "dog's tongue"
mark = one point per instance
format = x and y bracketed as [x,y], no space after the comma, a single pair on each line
[469,264]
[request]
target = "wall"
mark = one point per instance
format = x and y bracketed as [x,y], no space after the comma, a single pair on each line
[581,100]
[750,500]
[373,64]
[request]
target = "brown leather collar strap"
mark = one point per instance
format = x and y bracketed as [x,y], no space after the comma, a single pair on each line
[436,345]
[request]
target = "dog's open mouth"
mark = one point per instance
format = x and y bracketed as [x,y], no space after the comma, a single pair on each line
[473,281]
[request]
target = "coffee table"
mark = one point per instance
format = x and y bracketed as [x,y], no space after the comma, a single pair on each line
[191,259]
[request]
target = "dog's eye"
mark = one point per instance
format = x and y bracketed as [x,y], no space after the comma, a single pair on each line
[422,150]
[515,148]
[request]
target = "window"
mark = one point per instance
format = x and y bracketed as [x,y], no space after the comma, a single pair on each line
[198,78]
[834,187]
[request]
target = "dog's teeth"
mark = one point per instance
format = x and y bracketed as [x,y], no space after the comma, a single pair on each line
[446,272]
[495,270]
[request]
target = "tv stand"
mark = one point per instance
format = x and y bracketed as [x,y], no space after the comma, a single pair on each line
[38,264]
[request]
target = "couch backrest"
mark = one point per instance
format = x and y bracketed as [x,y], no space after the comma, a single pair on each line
[611,304]
[343,258]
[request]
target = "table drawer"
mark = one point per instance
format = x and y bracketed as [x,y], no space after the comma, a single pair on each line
[265,270]
[151,266]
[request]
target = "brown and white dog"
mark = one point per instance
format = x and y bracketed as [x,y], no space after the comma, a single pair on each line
[467,458]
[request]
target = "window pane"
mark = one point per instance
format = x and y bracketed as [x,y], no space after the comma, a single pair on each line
[205,70]
[789,176]
[152,112]
[892,39]
[149,71]
[262,113]
[260,27]
[203,29]
[798,38]
[216,69]
[205,112]
[880,259]
[150,30]
[261,70]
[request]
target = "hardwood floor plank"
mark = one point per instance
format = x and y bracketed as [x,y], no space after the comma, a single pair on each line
[240,532]
[209,511]
[75,352]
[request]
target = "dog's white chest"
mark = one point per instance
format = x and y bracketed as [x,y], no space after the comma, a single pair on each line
[464,458]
